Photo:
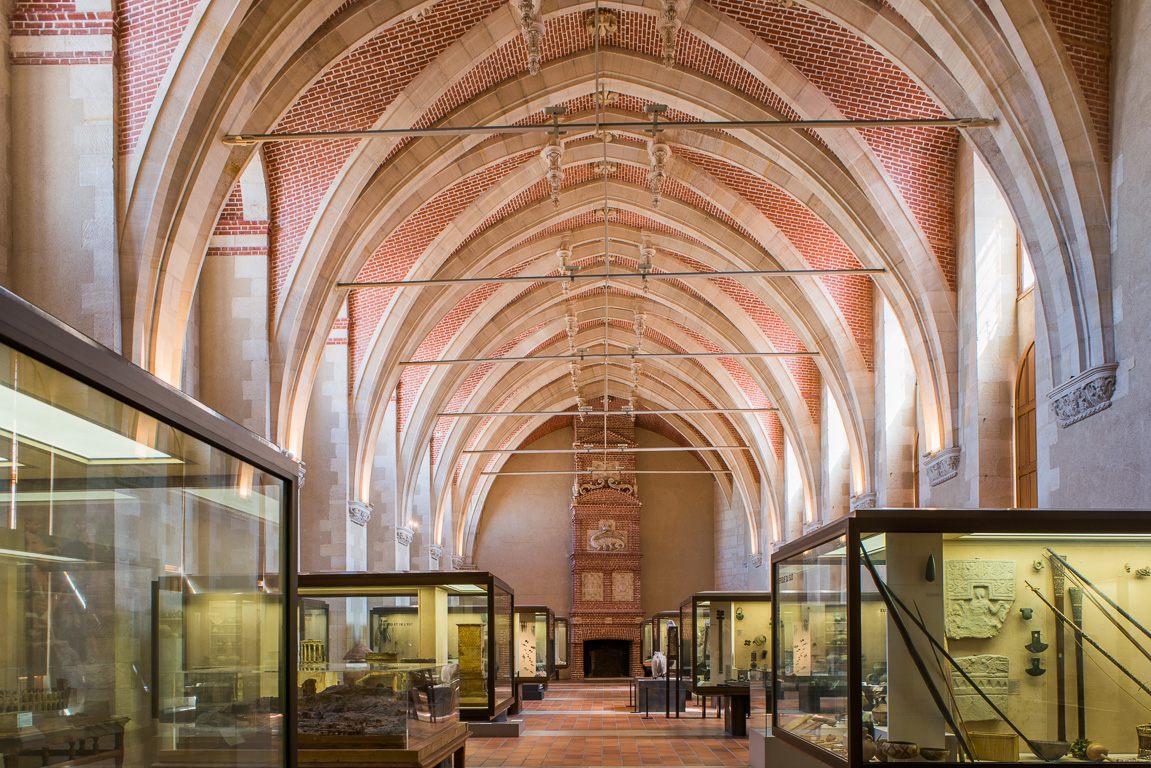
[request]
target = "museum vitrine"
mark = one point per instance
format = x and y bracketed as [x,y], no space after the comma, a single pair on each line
[725,640]
[143,561]
[535,643]
[563,638]
[966,635]
[654,637]
[415,621]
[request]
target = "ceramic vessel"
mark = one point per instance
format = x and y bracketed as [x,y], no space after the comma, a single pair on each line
[933,754]
[899,750]
[1050,750]
[879,714]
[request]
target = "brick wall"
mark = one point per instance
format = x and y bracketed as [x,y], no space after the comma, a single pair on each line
[1084,26]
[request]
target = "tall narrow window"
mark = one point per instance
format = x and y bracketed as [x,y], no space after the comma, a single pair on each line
[1026,482]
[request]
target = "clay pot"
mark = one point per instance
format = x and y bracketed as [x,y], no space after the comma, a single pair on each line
[880,755]
[869,750]
[879,714]
[899,750]
[1050,750]
[934,754]
[1096,753]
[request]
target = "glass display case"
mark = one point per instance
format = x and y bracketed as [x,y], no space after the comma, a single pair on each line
[956,635]
[313,632]
[535,644]
[725,640]
[370,704]
[654,637]
[563,638]
[412,621]
[144,551]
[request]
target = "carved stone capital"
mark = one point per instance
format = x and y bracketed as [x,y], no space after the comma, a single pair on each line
[941,466]
[757,560]
[1085,395]
[436,551]
[404,536]
[457,562]
[303,471]
[863,501]
[360,512]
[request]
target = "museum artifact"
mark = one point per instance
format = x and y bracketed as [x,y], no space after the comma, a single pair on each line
[1036,645]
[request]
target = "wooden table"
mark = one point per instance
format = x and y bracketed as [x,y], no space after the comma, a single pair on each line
[74,738]
[422,752]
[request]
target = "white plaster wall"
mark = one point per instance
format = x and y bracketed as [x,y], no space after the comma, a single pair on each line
[682,539]
[64,255]
[1103,461]
[525,534]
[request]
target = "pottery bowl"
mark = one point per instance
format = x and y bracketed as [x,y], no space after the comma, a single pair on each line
[899,750]
[934,754]
[1050,750]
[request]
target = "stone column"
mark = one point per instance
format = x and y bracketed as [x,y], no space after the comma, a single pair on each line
[64,255]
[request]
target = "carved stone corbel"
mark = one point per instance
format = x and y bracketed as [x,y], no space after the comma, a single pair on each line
[457,563]
[863,501]
[404,536]
[436,551]
[359,512]
[1084,395]
[941,466]
[668,29]
[757,560]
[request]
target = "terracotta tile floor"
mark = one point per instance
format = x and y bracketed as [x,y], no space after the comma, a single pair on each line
[591,724]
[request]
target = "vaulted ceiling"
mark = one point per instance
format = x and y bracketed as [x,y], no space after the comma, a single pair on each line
[461,204]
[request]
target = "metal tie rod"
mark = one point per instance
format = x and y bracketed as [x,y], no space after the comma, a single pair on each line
[611,449]
[249,139]
[657,412]
[622,472]
[595,356]
[613,276]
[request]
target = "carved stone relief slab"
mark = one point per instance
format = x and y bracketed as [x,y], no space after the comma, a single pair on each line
[607,539]
[591,584]
[978,596]
[990,673]
[622,586]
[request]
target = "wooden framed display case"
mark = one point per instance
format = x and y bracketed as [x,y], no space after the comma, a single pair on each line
[418,620]
[658,624]
[999,636]
[535,645]
[131,508]
[562,643]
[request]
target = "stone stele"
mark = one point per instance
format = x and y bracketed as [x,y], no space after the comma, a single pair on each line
[990,673]
[978,595]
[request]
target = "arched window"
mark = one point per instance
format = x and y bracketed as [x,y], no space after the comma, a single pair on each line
[1026,482]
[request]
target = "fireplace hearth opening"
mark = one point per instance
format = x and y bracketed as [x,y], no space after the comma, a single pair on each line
[606,658]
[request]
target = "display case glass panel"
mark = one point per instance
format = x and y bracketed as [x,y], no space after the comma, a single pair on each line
[313,626]
[562,640]
[370,704]
[141,569]
[728,639]
[535,642]
[417,620]
[972,634]
[647,642]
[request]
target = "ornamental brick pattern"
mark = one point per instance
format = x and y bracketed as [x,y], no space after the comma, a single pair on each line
[57,33]
[149,32]
[605,568]
[1084,26]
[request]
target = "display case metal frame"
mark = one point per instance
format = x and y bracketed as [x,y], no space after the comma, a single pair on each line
[688,634]
[916,520]
[28,329]
[653,624]
[549,644]
[566,624]
[349,584]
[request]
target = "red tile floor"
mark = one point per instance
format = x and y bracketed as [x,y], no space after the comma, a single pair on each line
[591,724]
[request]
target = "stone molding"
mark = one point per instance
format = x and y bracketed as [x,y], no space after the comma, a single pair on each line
[941,466]
[863,501]
[360,512]
[1084,395]
[404,536]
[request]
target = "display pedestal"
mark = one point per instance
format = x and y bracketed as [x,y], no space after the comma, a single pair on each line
[531,692]
[651,695]
[502,727]
[763,750]
[421,753]
[735,710]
